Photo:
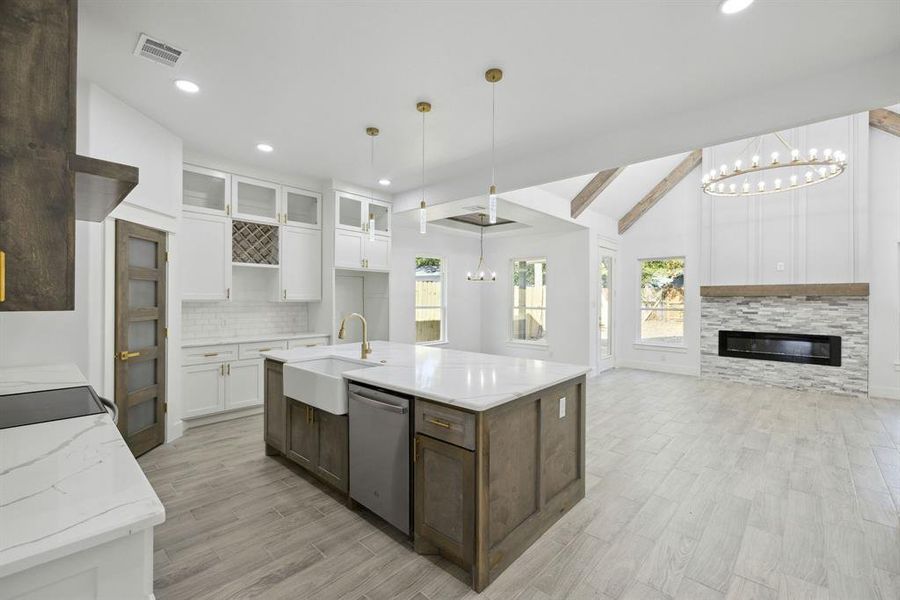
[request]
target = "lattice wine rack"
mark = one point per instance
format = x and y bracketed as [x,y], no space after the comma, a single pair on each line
[254,243]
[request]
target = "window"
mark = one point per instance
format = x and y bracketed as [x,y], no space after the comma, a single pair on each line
[431,305]
[529,289]
[662,301]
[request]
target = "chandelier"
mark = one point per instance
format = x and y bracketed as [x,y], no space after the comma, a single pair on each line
[756,179]
[482,272]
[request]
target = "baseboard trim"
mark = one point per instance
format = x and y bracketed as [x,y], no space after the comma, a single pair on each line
[891,393]
[661,367]
[225,416]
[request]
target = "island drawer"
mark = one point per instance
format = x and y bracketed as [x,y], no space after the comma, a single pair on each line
[209,354]
[254,349]
[444,423]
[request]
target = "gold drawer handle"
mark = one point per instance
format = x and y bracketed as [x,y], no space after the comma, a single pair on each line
[439,423]
[208,354]
[264,350]
[125,355]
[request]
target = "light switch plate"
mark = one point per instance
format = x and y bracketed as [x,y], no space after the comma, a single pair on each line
[562,407]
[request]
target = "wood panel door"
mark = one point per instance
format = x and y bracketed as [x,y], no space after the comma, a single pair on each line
[445,498]
[333,460]
[140,376]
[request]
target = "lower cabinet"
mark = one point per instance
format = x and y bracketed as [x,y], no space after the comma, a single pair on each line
[216,387]
[445,499]
[319,442]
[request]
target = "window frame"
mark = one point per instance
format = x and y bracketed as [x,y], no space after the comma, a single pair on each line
[511,306]
[443,307]
[638,340]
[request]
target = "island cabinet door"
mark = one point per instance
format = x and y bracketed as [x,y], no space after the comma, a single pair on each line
[333,455]
[275,408]
[445,499]
[303,435]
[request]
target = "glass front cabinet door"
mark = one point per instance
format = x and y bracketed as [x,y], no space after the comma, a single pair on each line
[255,200]
[301,207]
[350,210]
[379,217]
[205,190]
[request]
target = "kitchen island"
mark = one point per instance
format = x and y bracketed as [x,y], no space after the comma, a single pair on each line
[496,443]
[76,511]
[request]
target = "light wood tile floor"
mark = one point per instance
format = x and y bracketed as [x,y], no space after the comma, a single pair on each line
[696,490]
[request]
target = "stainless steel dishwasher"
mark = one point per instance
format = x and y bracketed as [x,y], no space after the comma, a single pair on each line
[379,453]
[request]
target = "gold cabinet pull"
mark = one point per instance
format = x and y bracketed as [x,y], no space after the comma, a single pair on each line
[284,295]
[222,369]
[264,350]
[228,369]
[208,354]
[2,276]
[438,422]
[125,355]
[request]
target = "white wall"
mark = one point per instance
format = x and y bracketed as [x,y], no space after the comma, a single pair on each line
[460,253]
[569,292]
[669,229]
[884,289]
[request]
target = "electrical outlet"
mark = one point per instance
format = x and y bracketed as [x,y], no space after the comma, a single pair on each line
[562,407]
[779,266]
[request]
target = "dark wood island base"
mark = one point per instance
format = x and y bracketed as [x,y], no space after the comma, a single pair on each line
[488,484]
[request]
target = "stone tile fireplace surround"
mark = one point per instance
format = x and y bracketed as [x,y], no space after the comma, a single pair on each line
[819,309]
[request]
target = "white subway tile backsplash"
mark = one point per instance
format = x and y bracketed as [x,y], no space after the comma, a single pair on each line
[203,320]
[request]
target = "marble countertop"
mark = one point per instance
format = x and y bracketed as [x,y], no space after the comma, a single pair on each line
[249,339]
[67,485]
[466,379]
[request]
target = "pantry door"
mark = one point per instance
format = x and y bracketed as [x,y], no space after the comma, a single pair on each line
[141,335]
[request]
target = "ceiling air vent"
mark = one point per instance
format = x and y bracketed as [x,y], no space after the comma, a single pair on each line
[157,51]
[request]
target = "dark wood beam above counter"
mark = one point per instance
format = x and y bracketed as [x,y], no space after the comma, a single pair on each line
[100,185]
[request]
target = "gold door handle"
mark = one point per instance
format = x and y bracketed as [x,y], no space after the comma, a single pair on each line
[439,423]
[125,355]
[2,276]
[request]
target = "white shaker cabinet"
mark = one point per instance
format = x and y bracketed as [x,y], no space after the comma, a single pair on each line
[362,234]
[214,385]
[244,384]
[203,389]
[205,257]
[301,264]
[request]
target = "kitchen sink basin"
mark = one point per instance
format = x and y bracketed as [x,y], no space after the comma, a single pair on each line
[320,382]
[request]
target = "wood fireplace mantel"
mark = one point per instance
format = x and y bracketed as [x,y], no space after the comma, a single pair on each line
[799,289]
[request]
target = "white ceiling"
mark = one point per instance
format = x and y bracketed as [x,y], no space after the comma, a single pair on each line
[308,77]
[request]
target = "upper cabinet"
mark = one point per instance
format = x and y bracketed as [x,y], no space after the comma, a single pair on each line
[301,208]
[205,257]
[206,191]
[255,200]
[362,238]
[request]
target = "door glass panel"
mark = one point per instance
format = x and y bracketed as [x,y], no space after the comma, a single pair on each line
[302,208]
[142,253]
[141,374]
[203,191]
[142,415]
[141,293]
[380,214]
[350,212]
[256,200]
[142,334]
[605,306]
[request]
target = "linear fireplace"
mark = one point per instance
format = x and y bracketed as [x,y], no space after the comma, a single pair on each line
[782,347]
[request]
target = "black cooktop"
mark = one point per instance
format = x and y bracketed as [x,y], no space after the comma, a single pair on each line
[48,405]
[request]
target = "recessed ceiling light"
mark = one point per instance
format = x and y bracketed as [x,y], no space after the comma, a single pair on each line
[264,147]
[384,181]
[729,7]
[187,86]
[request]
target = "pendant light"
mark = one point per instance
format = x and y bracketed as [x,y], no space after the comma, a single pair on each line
[482,272]
[493,76]
[423,107]
[372,132]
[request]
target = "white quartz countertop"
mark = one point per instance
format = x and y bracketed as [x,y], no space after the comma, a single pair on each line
[66,485]
[249,339]
[466,379]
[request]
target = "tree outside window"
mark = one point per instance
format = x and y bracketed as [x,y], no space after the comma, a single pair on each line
[662,301]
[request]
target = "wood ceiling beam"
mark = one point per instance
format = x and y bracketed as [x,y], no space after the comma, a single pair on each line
[885,120]
[596,185]
[691,162]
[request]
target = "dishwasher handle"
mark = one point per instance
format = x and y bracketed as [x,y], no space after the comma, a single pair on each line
[354,395]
